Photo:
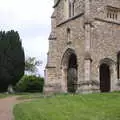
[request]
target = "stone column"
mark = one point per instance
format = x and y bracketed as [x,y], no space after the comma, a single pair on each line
[46,75]
[113,76]
[86,85]
[87,63]
[64,79]
[87,69]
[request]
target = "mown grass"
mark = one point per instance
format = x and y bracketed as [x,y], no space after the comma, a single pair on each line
[71,107]
[23,96]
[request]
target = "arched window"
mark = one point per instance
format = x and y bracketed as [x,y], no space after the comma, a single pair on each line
[69,36]
[66,9]
[69,8]
[118,65]
[72,7]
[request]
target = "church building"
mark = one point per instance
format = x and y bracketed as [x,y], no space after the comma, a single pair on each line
[84,47]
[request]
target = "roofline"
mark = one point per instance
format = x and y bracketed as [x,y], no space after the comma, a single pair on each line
[55,5]
[72,18]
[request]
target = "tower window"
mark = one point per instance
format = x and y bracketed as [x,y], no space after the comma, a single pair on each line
[73,7]
[112,13]
[68,36]
[69,8]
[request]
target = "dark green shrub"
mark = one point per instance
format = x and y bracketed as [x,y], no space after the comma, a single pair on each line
[30,84]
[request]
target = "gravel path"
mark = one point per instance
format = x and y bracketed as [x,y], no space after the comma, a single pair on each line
[6,107]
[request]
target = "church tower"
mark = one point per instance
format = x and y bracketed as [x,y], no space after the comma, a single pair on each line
[84,47]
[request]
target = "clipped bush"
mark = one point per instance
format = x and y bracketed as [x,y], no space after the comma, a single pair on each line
[30,84]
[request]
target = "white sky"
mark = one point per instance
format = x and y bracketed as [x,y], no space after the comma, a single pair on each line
[31,18]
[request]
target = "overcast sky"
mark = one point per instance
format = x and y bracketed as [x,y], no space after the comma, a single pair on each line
[31,18]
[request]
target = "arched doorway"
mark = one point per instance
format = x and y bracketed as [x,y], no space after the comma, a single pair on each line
[72,74]
[69,71]
[104,78]
[118,65]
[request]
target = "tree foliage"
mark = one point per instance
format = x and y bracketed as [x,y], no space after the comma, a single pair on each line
[30,83]
[12,63]
[31,64]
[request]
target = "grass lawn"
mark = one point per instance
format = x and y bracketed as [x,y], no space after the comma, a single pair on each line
[23,96]
[71,107]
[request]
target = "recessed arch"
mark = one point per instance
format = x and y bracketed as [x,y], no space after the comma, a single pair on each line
[107,61]
[104,78]
[66,55]
[118,65]
[69,68]
[105,74]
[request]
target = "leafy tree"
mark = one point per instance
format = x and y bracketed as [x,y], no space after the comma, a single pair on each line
[31,64]
[12,60]
[30,83]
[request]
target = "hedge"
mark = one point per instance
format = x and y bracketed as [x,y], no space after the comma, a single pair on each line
[30,84]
